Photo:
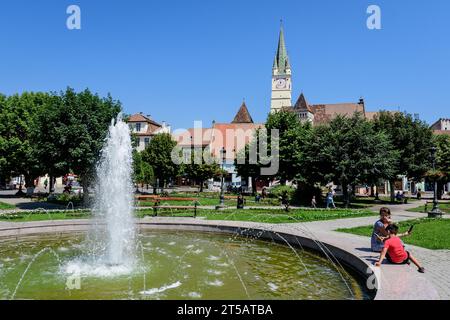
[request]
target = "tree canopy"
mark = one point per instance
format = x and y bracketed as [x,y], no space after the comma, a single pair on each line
[348,151]
[158,155]
[412,139]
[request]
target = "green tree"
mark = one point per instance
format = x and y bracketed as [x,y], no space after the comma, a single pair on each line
[71,133]
[18,115]
[142,171]
[411,138]
[348,151]
[201,167]
[158,155]
[250,166]
[442,143]
[291,137]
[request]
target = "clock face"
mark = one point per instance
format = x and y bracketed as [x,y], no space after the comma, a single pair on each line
[281,83]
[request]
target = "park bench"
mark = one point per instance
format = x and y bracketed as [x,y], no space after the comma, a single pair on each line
[158,207]
[231,197]
[146,197]
[39,196]
[158,199]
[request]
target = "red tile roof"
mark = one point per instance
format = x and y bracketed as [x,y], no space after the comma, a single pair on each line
[243,116]
[139,117]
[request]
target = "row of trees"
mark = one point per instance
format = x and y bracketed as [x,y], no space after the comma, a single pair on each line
[60,133]
[352,151]
[53,133]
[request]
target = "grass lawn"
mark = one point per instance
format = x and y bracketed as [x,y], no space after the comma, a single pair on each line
[255,215]
[44,216]
[265,215]
[445,207]
[428,233]
[6,206]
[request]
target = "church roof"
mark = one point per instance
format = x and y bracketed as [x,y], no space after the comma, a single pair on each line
[324,113]
[301,104]
[243,116]
[282,59]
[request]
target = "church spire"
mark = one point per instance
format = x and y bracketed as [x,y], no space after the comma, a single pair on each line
[282,58]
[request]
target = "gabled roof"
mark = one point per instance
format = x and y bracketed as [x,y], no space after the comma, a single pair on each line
[301,104]
[243,116]
[139,117]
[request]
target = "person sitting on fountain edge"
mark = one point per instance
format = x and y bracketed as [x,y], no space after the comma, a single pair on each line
[380,232]
[395,252]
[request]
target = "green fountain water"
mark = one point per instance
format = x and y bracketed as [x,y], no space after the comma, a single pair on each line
[172,265]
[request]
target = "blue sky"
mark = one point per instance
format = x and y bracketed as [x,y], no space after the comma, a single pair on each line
[186,60]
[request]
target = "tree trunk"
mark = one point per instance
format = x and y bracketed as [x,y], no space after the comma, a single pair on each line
[254,186]
[440,191]
[372,190]
[345,194]
[161,185]
[29,182]
[201,186]
[51,187]
[392,186]
[85,185]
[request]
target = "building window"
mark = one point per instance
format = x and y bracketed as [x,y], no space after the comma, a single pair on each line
[146,142]
[138,127]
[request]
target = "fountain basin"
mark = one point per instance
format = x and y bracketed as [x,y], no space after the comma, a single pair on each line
[177,261]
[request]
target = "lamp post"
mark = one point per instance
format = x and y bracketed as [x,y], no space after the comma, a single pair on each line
[223,153]
[435,212]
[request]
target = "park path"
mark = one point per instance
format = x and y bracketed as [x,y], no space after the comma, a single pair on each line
[436,262]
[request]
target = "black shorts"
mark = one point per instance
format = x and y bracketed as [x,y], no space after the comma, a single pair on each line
[406,261]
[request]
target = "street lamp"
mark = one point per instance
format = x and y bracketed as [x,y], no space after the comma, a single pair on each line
[435,212]
[223,153]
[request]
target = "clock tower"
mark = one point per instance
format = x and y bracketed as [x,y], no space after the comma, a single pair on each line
[281,78]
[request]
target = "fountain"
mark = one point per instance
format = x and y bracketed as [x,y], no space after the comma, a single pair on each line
[113,206]
[103,264]
[110,244]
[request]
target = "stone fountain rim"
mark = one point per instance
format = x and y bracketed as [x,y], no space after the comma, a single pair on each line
[389,290]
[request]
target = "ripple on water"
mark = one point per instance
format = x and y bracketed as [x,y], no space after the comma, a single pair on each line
[215,283]
[272,286]
[162,289]
[194,295]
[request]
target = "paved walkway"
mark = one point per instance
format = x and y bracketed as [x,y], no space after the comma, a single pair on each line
[436,262]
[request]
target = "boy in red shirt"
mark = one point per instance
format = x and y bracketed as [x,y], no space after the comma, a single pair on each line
[395,252]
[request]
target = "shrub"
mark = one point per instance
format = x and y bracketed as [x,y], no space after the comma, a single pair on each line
[278,192]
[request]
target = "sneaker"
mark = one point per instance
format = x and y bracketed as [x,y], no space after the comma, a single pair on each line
[421,270]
